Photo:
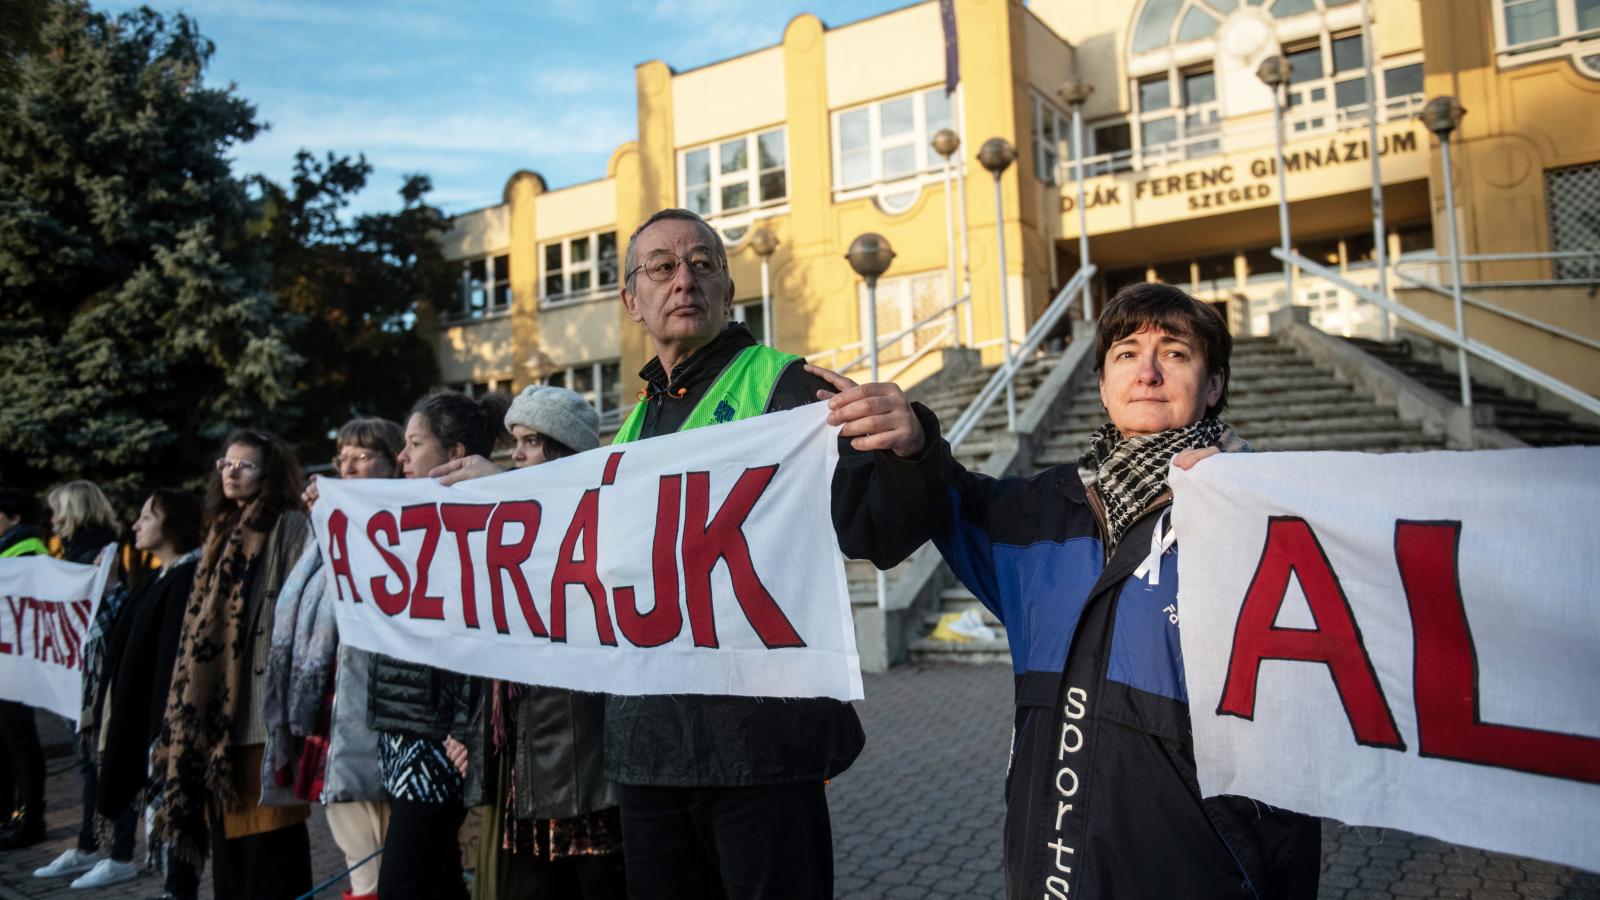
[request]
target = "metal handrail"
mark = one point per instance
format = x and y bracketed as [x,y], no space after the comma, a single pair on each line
[1445,334]
[884,341]
[1501,311]
[1592,255]
[1007,372]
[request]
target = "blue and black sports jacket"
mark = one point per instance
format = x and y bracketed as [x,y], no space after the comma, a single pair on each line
[1101,796]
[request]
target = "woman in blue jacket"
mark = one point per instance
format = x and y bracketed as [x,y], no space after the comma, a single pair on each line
[1078,562]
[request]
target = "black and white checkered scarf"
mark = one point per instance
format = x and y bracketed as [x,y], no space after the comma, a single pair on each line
[1131,473]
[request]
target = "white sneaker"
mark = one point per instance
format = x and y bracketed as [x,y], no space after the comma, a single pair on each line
[107,871]
[71,862]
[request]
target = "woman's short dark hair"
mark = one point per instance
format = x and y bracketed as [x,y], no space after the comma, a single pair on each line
[180,517]
[375,434]
[1151,304]
[477,424]
[554,449]
[281,482]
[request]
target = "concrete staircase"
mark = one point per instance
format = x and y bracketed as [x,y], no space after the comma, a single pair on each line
[1520,417]
[1279,399]
[947,398]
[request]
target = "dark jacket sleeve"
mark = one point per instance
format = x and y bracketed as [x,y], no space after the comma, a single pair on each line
[885,507]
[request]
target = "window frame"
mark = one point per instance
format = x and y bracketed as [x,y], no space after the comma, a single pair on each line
[569,268]
[750,175]
[495,278]
[595,396]
[1567,41]
[927,167]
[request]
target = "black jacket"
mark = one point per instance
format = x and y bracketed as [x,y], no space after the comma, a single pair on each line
[555,763]
[84,545]
[709,741]
[1102,799]
[141,673]
[419,701]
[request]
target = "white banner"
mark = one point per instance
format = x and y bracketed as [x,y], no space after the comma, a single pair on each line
[46,606]
[696,563]
[1408,640]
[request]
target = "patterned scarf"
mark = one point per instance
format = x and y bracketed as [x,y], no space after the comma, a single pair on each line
[1130,474]
[192,752]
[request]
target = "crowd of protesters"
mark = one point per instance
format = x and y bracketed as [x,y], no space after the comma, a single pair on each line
[219,701]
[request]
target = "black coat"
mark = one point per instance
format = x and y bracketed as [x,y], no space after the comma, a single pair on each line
[1102,799]
[419,701]
[710,741]
[139,658]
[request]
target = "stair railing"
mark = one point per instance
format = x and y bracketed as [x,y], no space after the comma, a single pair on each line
[1007,372]
[888,340]
[1446,334]
[1513,315]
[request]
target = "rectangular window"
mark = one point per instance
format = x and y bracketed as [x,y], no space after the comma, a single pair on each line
[579,267]
[1347,54]
[1530,20]
[1114,140]
[1050,129]
[890,139]
[753,316]
[502,283]
[1403,81]
[1202,115]
[600,383]
[902,302]
[735,175]
[1157,125]
[1572,195]
[478,286]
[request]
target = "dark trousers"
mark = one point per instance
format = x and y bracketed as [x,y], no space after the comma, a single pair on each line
[569,878]
[23,782]
[273,865]
[122,827]
[421,853]
[740,843]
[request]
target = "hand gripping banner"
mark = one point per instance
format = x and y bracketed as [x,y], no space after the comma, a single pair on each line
[695,563]
[46,606]
[1408,640]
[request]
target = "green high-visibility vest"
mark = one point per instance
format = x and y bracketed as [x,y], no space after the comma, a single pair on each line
[26,547]
[742,390]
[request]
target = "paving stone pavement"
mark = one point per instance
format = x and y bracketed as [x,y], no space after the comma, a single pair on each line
[918,815]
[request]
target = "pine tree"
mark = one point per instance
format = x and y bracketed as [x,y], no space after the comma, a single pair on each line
[135,322]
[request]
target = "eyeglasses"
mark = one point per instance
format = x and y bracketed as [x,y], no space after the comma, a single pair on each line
[245,466]
[662,265]
[358,457]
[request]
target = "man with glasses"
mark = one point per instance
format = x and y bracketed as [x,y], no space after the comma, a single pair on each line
[721,796]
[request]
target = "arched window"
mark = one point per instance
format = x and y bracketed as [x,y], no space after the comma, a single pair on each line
[1177,91]
[1163,23]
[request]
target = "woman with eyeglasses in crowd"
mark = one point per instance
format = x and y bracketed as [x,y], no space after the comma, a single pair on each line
[415,708]
[138,668]
[553,830]
[83,519]
[211,748]
[319,745]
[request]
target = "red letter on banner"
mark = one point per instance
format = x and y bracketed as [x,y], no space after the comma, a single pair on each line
[1446,670]
[391,602]
[508,558]
[665,621]
[721,538]
[461,519]
[339,554]
[425,518]
[1292,548]
[570,570]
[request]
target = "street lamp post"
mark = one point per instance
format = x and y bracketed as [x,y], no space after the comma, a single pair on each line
[870,255]
[1441,116]
[764,242]
[1075,93]
[1380,237]
[997,155]
[946,142]
[1275,72]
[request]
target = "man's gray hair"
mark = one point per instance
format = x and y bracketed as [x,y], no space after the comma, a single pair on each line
[630,259]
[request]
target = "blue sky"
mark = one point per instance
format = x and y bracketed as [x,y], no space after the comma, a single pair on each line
[467,92]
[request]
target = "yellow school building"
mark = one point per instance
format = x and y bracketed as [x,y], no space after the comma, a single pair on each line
[794,149]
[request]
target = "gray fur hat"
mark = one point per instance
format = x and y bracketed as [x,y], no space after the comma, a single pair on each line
[558,414]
